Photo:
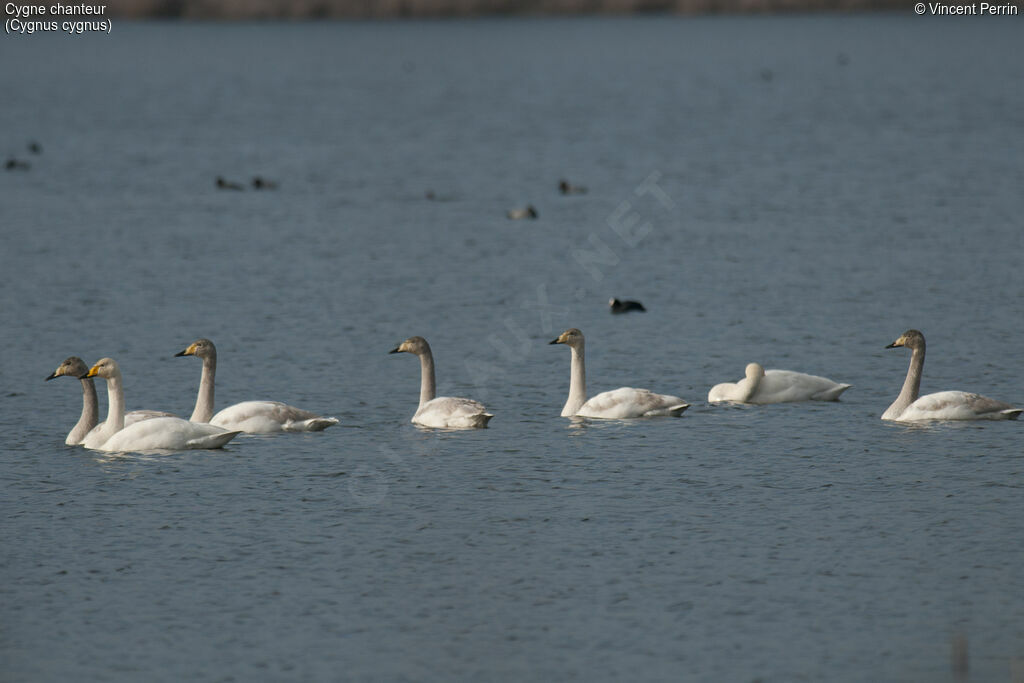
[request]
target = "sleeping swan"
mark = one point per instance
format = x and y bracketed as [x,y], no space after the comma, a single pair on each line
[87,422]
[620,403]
[442,412]
[944,405]
[252,417]
[158,433]
[776,386]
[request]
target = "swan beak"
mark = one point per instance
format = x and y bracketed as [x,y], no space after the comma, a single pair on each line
[91,373]
[52,376]
[553,341]
[397,349]
[190,351]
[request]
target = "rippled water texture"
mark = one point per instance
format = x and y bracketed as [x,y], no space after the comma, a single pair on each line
[792,190]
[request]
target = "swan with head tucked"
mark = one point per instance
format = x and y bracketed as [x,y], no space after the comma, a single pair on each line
[621,403]
[776,386]
[158,433]
[944,405]
[440,412]
[252,417]
[87,422]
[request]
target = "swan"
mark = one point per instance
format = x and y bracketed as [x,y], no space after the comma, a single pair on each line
[944,405]
[74,366]
[616,404]
[442,412]
[158,433]
[223,184]
[252,417]
[776,386]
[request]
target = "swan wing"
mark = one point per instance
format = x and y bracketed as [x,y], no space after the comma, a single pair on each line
[447,412]
[133,416]
[264,417]
[958,405]
[167,433]
[627,402]
[784,386]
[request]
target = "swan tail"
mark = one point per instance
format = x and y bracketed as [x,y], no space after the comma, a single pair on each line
[1011,413]
[831,394]
[211,440]
[677,410]
[486,417]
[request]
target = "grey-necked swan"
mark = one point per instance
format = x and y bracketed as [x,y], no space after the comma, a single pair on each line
[620,403]
[440,412]
[252,417]
[944,405]
[776,386]
[158,433]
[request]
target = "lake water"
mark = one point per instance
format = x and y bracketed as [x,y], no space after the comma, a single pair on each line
[795,190]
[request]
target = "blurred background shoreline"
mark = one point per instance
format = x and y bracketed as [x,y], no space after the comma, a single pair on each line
[379,9]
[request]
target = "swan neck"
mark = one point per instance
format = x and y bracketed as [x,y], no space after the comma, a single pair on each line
[577,383]
[204,401]
[428,387]
[90,413]
[747,388]
[911,385]
[115,404]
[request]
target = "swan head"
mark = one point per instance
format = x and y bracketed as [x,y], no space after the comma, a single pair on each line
[106,368]
[71,367]
[203,348]
[414,345]
[911,339]
[572,337]
[754,371]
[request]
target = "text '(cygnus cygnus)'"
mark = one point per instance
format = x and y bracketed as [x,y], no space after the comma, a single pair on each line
[625,402]
[776,386]
[89,420]
[158,433]
[252,417]
[944,405]
[442,412]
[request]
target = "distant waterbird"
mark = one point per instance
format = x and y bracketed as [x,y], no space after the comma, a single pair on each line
[565,187]
[223,184]
[618,306]
[519,214]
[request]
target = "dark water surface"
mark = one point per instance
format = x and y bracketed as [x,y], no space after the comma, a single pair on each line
[796,191]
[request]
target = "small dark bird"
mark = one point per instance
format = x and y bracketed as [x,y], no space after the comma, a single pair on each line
[625,306]
[429,194]
[35,147]
[528,212]
[260,183]
[565,187]
[17,165]
[227,184]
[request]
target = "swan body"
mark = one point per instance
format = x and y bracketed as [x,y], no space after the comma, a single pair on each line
[519,214]
[762,386]
[167,434]
[944,405]
[622,403]
[440,412]
[264,417]
[252,417]
[156,433]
